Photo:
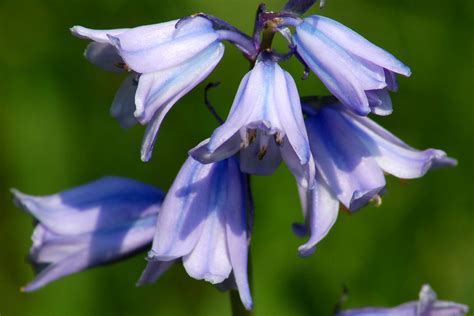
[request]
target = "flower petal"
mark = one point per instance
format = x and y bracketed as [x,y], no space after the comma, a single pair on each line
[123,105]
[357,45]
[238,231]
[333,67]
[380,102]
[322,208]
[184,212]
[99,36]
[106,203]
[163,88]
[290,114]
[202,154]
[342,160]
[65,255]
[104,56]
[392,154]
[251,159]
[304,174]
[158,92]
[156,47]
[153,271]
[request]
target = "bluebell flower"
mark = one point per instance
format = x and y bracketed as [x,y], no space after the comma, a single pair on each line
[164,62]
[93,224]
[265,124]
[204,220]
[427,305]
[354,70]
[352,153]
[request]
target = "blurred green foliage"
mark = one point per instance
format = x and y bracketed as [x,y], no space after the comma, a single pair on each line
[55,133]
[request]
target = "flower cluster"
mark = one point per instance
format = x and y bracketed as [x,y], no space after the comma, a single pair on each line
[336,153]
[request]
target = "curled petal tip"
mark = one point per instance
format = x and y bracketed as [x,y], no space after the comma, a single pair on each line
[306,250]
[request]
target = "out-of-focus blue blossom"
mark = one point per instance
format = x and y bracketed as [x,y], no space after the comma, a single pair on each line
[204,220]
[351,155]
[356,71]
[93,224]
[265,124]
[165,63]
[427,305]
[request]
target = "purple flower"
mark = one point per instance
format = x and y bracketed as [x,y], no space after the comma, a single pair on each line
[428,305]
[356,71]
[351,155]
[165,63]
[265,124]
[204,221]
[93,224]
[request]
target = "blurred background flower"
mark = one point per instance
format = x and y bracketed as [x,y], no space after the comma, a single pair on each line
[55,132]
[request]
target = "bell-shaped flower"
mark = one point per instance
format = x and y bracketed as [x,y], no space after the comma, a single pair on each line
[90,225]
[165,62]
[427,305]
[265,124]
[204,220]
[354,70]
[351,155]
[353,152]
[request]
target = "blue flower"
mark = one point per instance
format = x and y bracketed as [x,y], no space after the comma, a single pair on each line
[165,63]
[265,124]
[356,71]
[205,221]
[93,224]
[351,155]
[427,305]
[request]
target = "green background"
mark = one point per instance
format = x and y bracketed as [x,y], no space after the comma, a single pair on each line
[55,133]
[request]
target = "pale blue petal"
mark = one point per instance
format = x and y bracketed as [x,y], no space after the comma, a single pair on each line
[59,255]
[252,163]
[342,160]
[304,173]
[357,45]
[332,68]
[238,231]
[153,271]
[184,212]
[156,47]
[158,92]
[106,203]
[380,102]
[165,87]
[105,56]
[123,105]
[99,36]
[287,101]
[202,154]
[393,155]
[321,210]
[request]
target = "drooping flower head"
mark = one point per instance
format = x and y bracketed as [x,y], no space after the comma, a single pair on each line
[265,124]
[165,63]
[427,305]
[352,153]
[356,71]
[93,224]
[204,220]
